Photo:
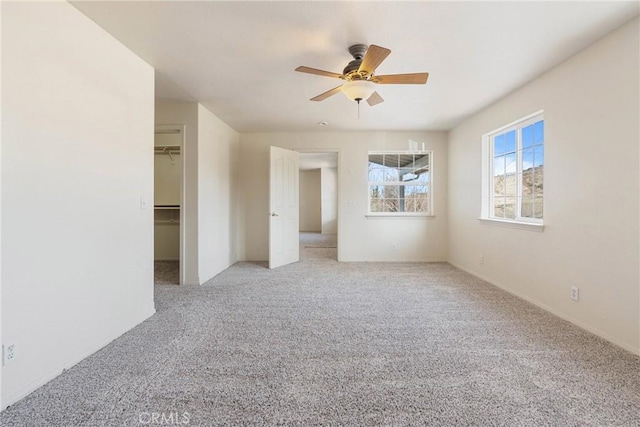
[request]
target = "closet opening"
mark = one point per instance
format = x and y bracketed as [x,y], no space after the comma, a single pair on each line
[168,204]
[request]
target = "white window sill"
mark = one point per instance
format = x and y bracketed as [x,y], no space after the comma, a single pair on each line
[530,226]
[398,216]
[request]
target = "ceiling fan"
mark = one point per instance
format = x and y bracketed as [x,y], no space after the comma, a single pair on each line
[359,76]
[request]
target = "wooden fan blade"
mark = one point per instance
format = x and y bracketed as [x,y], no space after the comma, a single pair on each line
[374,57]
[374,99]
[327,94]
[406,79]
[317,72]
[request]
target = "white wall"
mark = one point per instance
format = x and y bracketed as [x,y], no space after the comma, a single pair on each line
[77,144]
[310,201]
[1,341]
[592,190]
[186,113]
[211,156]
[359,238]
[329,184]
[218,147]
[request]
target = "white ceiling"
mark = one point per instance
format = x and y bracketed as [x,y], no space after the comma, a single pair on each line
[238,58]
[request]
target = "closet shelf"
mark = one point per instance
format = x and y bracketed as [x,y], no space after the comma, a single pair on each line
[166,207]
[166,221]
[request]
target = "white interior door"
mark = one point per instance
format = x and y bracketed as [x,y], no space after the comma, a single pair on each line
[283,208]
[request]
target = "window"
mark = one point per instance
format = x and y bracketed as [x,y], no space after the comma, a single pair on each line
[514,171]
[400,183]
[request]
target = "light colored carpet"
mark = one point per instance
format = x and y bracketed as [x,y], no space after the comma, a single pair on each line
[317,240]
[323,343]
[166,272]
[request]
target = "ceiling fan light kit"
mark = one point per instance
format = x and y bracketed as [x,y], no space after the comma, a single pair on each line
[357,90]
[359,75]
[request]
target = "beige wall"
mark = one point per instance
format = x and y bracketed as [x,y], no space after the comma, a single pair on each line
[359,238]
[329,184]
[591,235]
[310,201]
[211,211]
[218,147]
[77,143]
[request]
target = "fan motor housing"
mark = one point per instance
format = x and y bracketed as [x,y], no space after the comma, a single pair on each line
[357,51]
[352,66]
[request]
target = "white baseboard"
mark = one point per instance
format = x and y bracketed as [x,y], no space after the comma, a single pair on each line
[34,385]
[556,313]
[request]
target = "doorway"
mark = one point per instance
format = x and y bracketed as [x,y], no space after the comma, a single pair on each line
[169,204]
[319,204]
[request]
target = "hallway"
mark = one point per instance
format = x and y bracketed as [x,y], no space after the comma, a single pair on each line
[318,246]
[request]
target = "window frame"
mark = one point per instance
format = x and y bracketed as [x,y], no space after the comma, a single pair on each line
[429,213]
[488,207]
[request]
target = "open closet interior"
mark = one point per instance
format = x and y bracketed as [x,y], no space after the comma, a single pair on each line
[167,197]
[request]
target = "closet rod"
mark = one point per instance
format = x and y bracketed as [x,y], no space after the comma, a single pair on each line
[167,147]
[167,150]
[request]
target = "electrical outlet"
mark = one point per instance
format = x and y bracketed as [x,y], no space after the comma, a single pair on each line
[394,246]
[8,353]
[575,293]
[481,259]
